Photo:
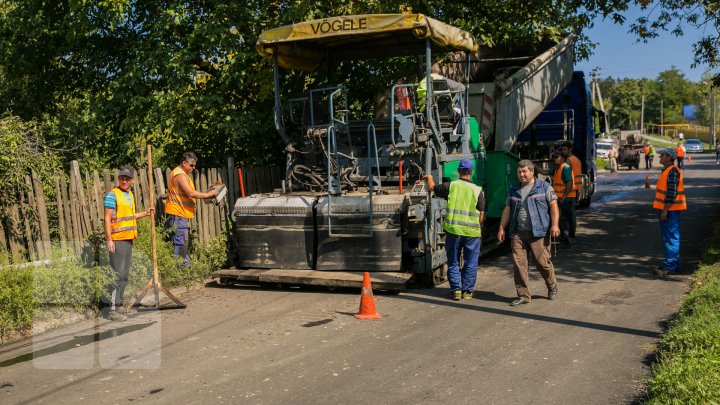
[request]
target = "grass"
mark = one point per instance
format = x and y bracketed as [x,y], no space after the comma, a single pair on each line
[687,369]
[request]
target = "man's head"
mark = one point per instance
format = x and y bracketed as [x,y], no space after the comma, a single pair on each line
[566,149]
[126,174]
[667,156]
[188,162]
[465,168]
[558,157]
[526,172]
[435,68]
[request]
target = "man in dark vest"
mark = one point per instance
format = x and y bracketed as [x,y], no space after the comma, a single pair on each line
[532,212]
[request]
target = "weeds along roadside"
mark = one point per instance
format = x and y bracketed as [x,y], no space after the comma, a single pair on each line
[71,285]
[687,368]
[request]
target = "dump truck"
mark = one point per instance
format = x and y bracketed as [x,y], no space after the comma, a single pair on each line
[353,199]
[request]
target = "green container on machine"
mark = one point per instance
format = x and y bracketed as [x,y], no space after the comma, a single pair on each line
[500,175]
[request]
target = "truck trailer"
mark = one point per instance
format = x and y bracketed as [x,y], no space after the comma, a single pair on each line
[353,199]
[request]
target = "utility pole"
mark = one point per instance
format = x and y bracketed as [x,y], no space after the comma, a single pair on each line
[642,115]
[712,115]
[662,128]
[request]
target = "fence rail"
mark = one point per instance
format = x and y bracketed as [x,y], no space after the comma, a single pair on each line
[76,210]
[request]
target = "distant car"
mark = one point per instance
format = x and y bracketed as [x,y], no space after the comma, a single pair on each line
[694,146]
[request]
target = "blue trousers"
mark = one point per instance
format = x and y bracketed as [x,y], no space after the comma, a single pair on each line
[670,231]
[462,279]
[181,236]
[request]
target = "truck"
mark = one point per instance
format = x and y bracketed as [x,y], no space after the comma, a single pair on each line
[353,199]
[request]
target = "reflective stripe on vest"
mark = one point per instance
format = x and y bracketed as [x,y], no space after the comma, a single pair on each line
[576,167]
[462,217]
[558,184]
[679,203]
[178,203]
[123,225]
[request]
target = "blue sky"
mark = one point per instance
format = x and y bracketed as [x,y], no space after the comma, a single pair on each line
[619,55]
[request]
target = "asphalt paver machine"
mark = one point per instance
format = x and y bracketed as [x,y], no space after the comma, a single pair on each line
[353,199]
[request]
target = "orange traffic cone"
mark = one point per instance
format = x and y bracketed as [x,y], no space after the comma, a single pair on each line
[367,301]
[647,181]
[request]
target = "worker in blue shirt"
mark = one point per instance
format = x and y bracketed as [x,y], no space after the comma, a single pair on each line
[462,224]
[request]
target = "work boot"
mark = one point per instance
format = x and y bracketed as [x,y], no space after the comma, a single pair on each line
[126,310]
[467,295]
[519,301]
[115,316]
[552,293]
[457,295]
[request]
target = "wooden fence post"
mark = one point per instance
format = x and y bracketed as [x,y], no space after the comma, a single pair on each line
[42,216]
[62,230]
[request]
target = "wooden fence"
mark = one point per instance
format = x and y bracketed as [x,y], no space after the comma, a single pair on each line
[76,210]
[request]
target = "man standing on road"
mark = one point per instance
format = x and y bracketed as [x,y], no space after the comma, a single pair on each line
[680,153]
[562,183]
[463,221]
[120,232]
[180,204]
[532,213]
[576,167]
[669,201]
[717,153]
[612,159]
[649,155]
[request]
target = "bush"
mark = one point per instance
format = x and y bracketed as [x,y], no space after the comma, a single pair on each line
[29,294]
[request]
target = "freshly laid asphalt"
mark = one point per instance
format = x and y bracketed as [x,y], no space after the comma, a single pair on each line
[592,345]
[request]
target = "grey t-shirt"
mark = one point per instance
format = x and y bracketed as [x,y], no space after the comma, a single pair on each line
[524,223]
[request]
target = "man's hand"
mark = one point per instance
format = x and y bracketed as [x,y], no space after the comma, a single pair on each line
[111,246]
[664,215]
[213,192]
[430,181]
[501,235]
[554,231]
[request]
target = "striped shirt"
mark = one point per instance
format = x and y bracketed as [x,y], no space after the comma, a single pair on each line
[111,203]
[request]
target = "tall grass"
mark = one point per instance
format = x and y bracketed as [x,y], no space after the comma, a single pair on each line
[687,369]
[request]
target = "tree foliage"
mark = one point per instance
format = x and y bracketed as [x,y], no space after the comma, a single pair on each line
[105,77]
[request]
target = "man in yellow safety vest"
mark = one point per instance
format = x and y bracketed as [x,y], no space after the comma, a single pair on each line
[462,224]
[120,232]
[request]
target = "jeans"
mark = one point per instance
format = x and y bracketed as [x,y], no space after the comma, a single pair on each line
[680,163]
[462,279]
[181,235]
[670,231]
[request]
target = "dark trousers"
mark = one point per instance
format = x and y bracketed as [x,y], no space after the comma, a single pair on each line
[571,215]
[524,244]
[567,215]
[120,262]
[648,162]
[680,163]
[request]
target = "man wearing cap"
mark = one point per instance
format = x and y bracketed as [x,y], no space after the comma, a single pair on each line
[531,211]
[576,167]
[180,204]
[669,201]
[120,232]
[463,220]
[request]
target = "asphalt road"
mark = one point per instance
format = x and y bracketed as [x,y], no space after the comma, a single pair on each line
[252,345]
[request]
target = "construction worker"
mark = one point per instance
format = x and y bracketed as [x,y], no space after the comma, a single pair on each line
[180,204]
[680,153]
[669,201]
[435,74]
[120,232]
[651,156]
[462,224]
[576,167]
[562,183]
[532,213]
[646,152]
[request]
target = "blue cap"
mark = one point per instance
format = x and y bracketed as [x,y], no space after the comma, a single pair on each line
[668,151]
[466,164]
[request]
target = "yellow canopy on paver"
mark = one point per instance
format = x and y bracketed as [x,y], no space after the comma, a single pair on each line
[308,45]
